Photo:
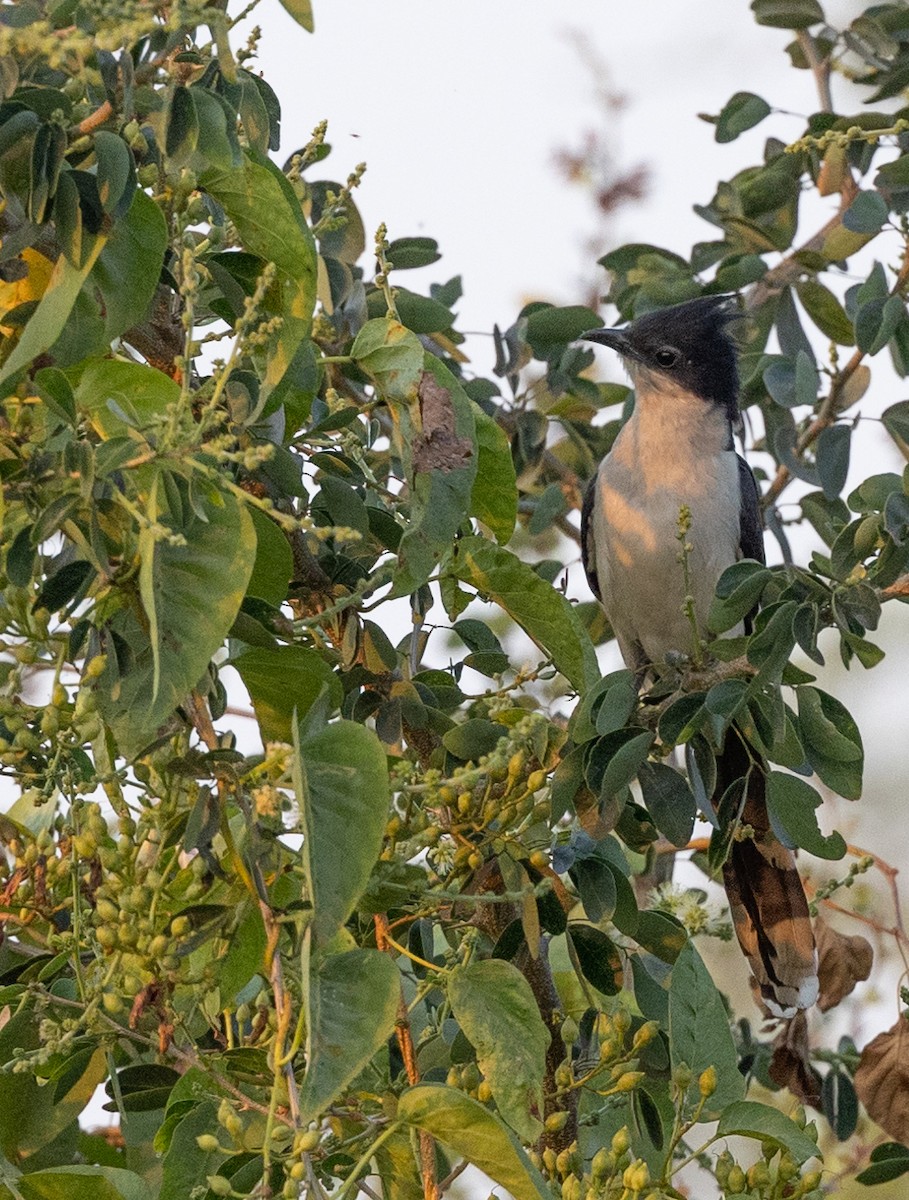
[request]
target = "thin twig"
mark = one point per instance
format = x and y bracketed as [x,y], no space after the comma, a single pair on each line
[97,118]
[820,68]
[406,1046]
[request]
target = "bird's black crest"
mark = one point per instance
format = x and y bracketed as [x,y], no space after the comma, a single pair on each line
[703,351]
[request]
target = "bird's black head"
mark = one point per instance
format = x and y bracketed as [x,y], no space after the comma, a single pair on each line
[689,344]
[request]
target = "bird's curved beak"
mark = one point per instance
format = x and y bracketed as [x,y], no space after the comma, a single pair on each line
[615,339]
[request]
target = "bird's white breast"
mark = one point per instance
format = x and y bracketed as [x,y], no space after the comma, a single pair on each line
[670,454]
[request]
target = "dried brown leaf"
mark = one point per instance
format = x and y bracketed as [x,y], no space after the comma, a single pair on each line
[843,961]
[437,447]
[790,1065]
[882,1080]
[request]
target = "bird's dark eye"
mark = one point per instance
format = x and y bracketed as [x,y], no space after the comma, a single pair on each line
[667,357]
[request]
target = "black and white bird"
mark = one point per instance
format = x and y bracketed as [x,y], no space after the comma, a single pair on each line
[677,450]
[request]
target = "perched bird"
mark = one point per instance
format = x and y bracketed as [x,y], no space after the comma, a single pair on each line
[676,450]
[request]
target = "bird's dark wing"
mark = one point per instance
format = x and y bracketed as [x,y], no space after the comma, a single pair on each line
[588,552]
[751,531]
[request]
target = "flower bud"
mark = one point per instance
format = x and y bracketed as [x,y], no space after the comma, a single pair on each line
[620,1141]
[735,1181]
[707,1082]
[681,1076]
[207,1142]
[636,1176]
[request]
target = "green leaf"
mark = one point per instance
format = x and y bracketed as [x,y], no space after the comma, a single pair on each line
[84,1183]
[438,445]
[301,11]
[840,1103]
[182,129]
[492,1002]
[738,591]
[866,214]
[549,328]
[664,936]
[31,1116]
[115,172]
[748,1118]
[787,14]
[670,801]
[888,1161]
[833,446]
[832,741]
[542,612]
[743,111]
[283,685]
[409,252]
[599,957]
[194,592]
[341,784]
[473,738]
[118,395]
[474,1133]
[185,1166]
[262,205]
[494,498]
[896,421]
[699,1032]
[791,803]
[351,1005]
[826,312]
[391,355]
[623,765]
[274,563]
[596,884]
[126,274]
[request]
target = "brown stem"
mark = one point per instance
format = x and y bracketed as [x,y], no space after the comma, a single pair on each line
[890,873]
[197,710]
[408,1054]
[820,68]
[97,118]
[897,590]
[826,415]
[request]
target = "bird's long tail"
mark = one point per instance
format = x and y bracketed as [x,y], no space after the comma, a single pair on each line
[766,898]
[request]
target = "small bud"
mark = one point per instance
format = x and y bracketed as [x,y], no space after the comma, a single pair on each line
[207,1142]
[735,1181]
[306,1141]
[620,1141]
[603,1163]
[707,1082]
[628,1081]
[645,1034]
[556,1122]
[636,1176]
[758,1174]
[681,1077]
[219,1185]
[621,1019]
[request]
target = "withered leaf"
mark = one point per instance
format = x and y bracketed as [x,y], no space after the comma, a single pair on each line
[790,1065]
[843,961]
[882,1080]
[437,447]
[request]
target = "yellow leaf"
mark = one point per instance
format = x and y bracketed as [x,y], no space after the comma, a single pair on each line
[29,287]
